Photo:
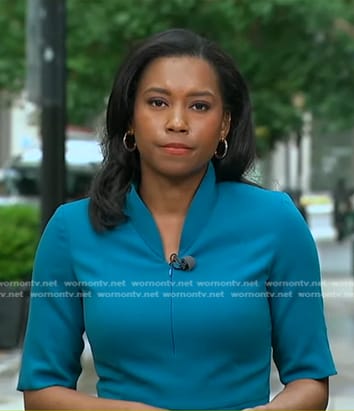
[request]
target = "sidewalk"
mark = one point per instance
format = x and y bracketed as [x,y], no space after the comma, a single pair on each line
[9,364]
[340,321]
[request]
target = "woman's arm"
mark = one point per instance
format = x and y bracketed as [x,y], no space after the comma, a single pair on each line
[301,350]
[61,398]
[301,395]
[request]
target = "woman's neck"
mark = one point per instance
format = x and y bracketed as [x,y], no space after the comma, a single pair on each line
[169,197]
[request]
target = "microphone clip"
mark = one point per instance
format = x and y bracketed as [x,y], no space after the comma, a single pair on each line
[185,263]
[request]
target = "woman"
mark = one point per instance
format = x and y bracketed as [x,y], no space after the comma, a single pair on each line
[183,276]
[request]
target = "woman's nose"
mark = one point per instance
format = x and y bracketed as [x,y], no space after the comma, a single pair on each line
[177,120]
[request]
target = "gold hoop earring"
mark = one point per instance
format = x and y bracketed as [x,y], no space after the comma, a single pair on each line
[221,149]
[129,145]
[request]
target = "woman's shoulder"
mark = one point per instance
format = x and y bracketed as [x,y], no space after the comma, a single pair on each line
[252,193]
[75,209]
[256,201]
[73,214]
[263,209]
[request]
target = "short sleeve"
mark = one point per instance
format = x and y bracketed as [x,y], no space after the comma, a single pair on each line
[299,335]
[53,342]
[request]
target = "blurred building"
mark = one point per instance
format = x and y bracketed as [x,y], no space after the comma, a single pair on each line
[21,154]
[311,164]
[333,159]
[20,129]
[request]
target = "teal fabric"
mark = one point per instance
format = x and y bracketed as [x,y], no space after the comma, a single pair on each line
[199,339]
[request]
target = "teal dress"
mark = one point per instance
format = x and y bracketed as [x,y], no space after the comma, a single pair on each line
[176,339]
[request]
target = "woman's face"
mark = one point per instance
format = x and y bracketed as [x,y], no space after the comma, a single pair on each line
[178,116]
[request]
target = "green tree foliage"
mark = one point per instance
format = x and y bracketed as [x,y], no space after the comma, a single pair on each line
[285,48]
[19,236]
[12,45]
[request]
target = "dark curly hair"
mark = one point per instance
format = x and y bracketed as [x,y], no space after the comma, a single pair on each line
[120,168]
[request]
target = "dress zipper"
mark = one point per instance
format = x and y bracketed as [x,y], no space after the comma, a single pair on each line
[170,274]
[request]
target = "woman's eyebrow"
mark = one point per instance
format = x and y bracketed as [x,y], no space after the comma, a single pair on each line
[160,90]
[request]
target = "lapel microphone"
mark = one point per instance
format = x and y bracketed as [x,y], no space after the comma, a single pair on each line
[186,263]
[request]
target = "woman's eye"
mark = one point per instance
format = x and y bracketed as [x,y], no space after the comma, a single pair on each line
[201,106]
[157,103]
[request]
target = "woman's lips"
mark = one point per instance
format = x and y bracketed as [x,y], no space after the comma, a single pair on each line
[176,148]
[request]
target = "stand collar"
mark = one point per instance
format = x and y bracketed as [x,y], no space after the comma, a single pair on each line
[197,215]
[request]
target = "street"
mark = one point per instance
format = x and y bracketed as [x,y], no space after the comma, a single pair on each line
[338,264]
[338,289]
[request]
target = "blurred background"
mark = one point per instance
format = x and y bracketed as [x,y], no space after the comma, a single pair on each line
[57,63]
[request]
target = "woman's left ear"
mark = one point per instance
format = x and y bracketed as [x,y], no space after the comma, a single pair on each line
[225,126]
